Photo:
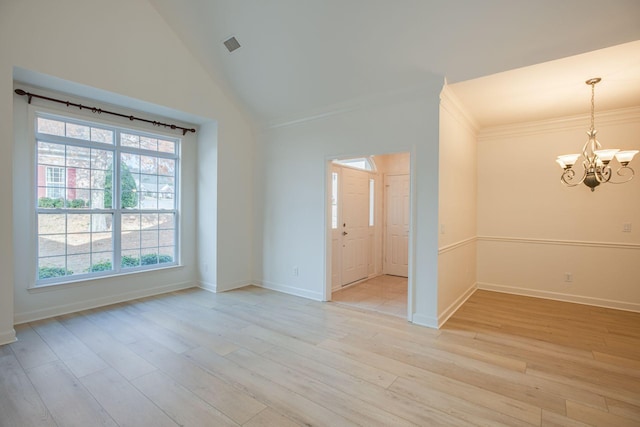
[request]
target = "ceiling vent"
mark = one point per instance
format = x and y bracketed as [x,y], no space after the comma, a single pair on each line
[231,44]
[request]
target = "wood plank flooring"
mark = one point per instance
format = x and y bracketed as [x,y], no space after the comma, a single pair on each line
[254,357]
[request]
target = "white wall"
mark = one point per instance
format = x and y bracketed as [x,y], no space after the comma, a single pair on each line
[532,229]
[81,41]
[457,207]
[291,190]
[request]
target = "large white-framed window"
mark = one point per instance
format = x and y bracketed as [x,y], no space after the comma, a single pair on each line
[106,199]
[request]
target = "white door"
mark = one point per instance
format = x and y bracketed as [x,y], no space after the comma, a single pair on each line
[354,227]
[396,259]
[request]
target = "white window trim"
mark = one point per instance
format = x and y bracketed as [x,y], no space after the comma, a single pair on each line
[81,117]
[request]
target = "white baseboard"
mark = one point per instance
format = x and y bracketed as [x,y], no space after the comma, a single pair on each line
[422,320]
[449,311]
[578,299]
[34,315]
[8,337]
[291,290]
[211,287]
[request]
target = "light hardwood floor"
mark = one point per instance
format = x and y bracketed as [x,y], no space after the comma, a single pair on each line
[385,294]
[254,357]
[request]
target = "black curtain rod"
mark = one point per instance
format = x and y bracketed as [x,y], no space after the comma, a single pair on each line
[100,111]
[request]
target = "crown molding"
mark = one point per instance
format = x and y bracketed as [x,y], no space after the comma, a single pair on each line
[450,102]
[607,118]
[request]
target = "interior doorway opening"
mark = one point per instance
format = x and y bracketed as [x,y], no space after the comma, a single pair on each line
[368,232]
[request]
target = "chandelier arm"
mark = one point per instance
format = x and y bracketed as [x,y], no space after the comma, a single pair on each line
[603,174]
[567,178]
[633,173]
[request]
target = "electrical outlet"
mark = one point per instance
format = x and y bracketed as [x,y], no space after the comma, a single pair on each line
[441,228]
[296,272]
[568,277]
[626,227]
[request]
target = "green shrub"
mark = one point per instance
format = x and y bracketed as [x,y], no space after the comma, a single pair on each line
[48,202]
[77,203]
[101,266]
[49,272]
[165,258]
[128,261]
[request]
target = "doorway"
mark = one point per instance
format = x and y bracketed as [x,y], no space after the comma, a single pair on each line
[368,232]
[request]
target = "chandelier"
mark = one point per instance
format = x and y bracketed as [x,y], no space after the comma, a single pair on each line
[596,162]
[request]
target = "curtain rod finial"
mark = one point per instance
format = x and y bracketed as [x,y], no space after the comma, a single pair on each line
[20,92]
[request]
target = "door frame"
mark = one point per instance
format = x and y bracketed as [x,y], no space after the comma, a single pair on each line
[327,289]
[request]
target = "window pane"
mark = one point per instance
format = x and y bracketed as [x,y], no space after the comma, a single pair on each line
[166,221]
[130,259]
[51,154]
[166,254]
[52,223]
[78,131]
[148,143]
[130,240]
[78,157]
[166,146]
[79,223]
[101,222]
[102,135]
[101,242]
[127,140]
[51,127]
[51,245]
[52,267]
[78,243]
[129,181]
[130,222]
[102,261]
[148,165]
[101,199]
[149,238]
[149,256]
[101,160]
[167,238]
[166,167]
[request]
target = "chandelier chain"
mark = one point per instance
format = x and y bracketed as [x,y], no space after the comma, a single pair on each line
[593,105]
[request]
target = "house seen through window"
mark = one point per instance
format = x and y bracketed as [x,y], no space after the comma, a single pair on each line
[106,199]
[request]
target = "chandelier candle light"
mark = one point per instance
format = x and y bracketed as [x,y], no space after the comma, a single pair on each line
[595,160]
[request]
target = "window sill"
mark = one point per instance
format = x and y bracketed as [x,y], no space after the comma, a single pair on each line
[85,281]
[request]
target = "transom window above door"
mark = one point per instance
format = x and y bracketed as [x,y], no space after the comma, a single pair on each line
[363,163]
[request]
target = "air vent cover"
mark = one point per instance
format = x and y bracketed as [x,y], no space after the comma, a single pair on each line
[231,44]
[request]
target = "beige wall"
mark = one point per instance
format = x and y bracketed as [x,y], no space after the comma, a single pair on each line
[532,230]
[456,207]
[397,163]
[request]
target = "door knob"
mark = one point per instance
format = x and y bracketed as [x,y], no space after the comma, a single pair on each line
[344,233]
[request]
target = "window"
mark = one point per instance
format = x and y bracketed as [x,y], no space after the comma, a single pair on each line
[364,163]
[55,182]
[334,200]
[106,199]
[371,202]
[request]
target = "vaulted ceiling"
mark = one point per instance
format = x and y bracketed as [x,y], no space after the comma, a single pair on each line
[303,57]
